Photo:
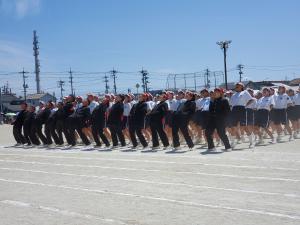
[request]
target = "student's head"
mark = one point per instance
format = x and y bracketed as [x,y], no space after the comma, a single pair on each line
[41,104]
[190,95]
[258,95]
[239,87]
[272,91]
[90,97]
[120,98]
[218,93]
[163,97]
[250,91]
[266,92]
[85,102]
[50,105]
[143,97]
[180,94]
[60,105]
[79,99]
[23,105]
[204,93]
[31,108]
[127,98]
[170,95]
[281,89]
[291,92]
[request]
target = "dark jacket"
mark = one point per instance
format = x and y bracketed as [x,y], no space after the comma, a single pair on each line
[158,112]
[58,115]
[138,113]
[43,116]
[68,109]
[98,115]
[20,118]
[116,114]
[29,119]
[82,115]
[219,109]
[185,111]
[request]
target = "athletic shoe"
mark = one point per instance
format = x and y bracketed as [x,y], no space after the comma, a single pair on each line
[233,143]
[291,138]
[211,149]
[176,148]
[243,139]
[17,145]
[97,146]
[227,150]
[279,139]
[155,148]
[191,149]
[273,141]
[165,148]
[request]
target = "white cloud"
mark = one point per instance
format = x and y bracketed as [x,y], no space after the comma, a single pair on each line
[20,8]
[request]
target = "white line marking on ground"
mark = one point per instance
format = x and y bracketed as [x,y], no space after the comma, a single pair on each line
[154,161]
[58,211]
[195,204]
[152,170]
[157,183]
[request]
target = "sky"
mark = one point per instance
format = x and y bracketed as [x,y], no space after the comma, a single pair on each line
[161,36]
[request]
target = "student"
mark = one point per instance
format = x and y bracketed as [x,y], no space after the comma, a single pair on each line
[281,102]
[68,110]
[262,115]
[218,111]
[49,124]
[137,121]
[181,120]
[114,121]
[297,113]
[29,133]
[18,124]
[98,121]
[125,121]
[250,108]
[57,127]
[40,119]
[239,101]
[292,112]
[80,119]
[156,122]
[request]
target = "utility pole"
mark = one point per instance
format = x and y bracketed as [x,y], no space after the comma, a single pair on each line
[215,79]
[71,81]
[36,61]
[184,77]
[224,46]
[137,88]
[207,74]
[106,83]
[61,84]
[114,76]
[195,83]
[240,67]
[25,86]
[145,81]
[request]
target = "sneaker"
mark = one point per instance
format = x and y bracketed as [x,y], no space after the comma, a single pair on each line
[279,139]
[252,145]
[273,141]
[295,135]
[211,149]
[165,148]
[227,150]
[291,138]
[233,143]
[17,145]
[191,148]
[114,147]
[155,148]
[176,148]
[97,146]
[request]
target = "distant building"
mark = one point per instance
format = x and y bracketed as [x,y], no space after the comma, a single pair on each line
[295,82]
[34,99]
[10,102]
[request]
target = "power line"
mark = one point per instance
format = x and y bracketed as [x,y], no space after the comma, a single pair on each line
[25,86]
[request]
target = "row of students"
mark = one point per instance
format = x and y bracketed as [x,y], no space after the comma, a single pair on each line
[171,118]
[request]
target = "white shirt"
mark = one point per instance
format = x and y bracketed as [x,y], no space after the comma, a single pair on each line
[297,99]
[204,104]
[198,104]
[93,105]
[150,105]
[240,98]
[252,105]
[172,104]
[265,103]
[127,108]
[281,101]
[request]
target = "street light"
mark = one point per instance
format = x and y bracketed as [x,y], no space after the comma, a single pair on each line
[224,45]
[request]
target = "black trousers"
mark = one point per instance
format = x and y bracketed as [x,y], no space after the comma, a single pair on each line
[181,125]
[17,132]
[218,125]
[33,135]
[77,126]
[39,127]
[66,128]
[47,131]
[116,134]
[157,128]
[97,130]
[56,132]
[136,130]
